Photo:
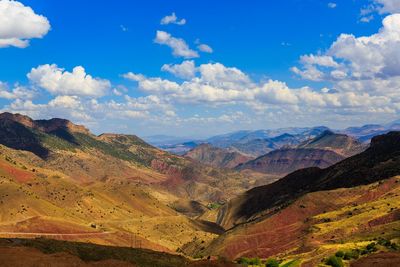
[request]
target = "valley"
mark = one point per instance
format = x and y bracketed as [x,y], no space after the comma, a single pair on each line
[60,182]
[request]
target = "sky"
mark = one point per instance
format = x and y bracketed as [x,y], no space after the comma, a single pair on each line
[200,68]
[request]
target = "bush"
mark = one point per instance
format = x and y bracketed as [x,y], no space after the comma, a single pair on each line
[371,247]
[334,261]
[271,263]
[249,261]
[352,254]
[339,254]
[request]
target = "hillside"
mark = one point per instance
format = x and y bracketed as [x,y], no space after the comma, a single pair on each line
[340,143]
[284,161]
[62,146]
[319,224]
[381,160]
[312,213]
[60,181]
[216,157]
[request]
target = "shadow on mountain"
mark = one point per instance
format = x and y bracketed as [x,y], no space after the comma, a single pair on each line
[17,136]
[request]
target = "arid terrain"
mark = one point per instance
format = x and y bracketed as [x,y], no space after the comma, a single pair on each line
[60,182]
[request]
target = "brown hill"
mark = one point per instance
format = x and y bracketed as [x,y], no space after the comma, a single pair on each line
[342,144]
[217,157]
[283,161]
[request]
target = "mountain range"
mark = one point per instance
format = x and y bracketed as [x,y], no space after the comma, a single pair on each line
[259,142]
[61,182]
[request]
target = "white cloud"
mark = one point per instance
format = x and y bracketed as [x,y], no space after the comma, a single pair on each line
[58,81]
[205,48]
[172,19]
[367,19]
[388,6]
[19,24]
[365,57]
[18,92]
[332,5]
[324,61]
[178,46]
[185,70]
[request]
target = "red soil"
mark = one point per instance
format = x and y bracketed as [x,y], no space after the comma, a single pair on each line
[20,176]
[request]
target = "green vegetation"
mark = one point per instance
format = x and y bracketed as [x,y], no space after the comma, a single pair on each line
[249,261]
[117,151]
[352,254]
[267,263]
[334,261]
[388,244]
[340,254]
[271,263]
[213,206]
[54,142]
[292,263]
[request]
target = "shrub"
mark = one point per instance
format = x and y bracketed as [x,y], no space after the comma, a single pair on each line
[334,261]
[339,254]
[271,263]
[371,247]
[352,254]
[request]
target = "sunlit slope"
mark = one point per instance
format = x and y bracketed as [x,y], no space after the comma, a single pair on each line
[36,202]
[318,224]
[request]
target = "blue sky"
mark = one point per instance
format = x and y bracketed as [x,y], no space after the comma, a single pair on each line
[255,77]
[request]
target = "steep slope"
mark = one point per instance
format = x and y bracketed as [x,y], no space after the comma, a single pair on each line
[318,224]
[312,213]
[381,160]
[283,161]
[340,143]
[216,157]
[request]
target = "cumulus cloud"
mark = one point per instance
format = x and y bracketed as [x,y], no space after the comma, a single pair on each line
[179,46]
[19,24]
[365,57]
[58,81]
[172,19]
[18,92]
[185,70]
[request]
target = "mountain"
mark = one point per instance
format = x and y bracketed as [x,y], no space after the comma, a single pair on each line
[322,151]
[283,161]
[59,180]
[381,160]
[340,143]
[216,157]
[250,143]
[366,132]
[227,140]
[312,213]
[260,142]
